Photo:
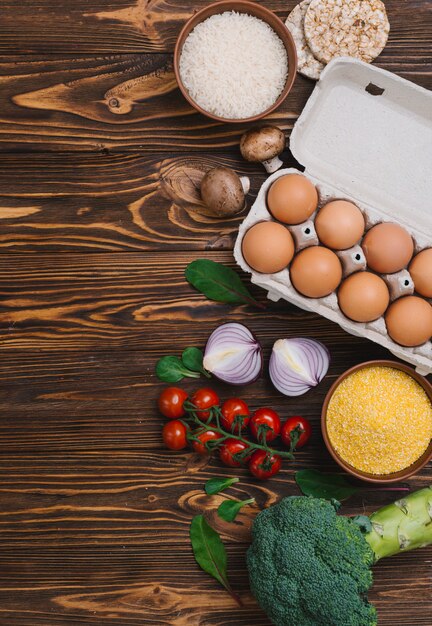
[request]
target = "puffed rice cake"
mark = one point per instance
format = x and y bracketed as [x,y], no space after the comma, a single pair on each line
[307,64]
[355,28]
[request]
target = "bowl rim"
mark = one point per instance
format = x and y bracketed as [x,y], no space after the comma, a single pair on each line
[412,469]
[257,10]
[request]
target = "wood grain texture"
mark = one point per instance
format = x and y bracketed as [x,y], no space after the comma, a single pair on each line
[109,103]
[152,26]
[130,300]
[100,539]
[118,102]
[100,157]
[93,203]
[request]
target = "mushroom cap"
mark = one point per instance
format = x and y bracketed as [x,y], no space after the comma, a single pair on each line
[222,192]
[262,143]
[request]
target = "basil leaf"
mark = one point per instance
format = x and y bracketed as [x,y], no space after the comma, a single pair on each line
[209,551]
[228,509]
[215,485]
[363,522]
[170,369]
[328,486]
[192,358]
[218,282]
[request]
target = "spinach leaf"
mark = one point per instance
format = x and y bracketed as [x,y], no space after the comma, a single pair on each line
[363,522]
[328,486]
[218,282]
[170,369]
[215,485]
[192,358]
[228,509]
[209,552]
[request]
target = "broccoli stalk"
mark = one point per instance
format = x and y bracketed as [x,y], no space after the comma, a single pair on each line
[309,566]
[404,525]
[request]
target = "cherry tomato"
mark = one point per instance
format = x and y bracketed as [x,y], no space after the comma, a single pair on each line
[235,415]
[262,465]
[174,435]
[170,402]
[205,398]
[265,420]
[229,449]
[299,424]
[206,435]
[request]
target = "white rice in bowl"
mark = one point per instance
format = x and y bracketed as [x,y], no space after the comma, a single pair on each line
[233,65]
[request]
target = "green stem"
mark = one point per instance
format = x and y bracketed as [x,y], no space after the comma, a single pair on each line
[217,429]
[404,525]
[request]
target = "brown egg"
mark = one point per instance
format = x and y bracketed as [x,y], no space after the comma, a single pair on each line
[292,199]
[388,248]
[363,297]
[268,247]
[340,224]
[421,272]
[316,272]
[409,321]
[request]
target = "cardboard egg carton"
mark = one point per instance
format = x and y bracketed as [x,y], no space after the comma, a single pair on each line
[365,135]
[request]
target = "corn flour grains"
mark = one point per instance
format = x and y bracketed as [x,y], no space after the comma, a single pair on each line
[379,420]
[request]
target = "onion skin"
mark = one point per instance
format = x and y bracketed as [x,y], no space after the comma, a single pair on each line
[297,365]
[242,368]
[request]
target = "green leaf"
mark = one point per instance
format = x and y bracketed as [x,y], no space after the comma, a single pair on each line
[328,486]
[209,551]
[228,509]
[218,282]
[215,485]
[363,522]
[192,358]
[170,369]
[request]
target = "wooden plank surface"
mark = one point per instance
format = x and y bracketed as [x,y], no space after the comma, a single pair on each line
[117,102]
[100,27]
[125,202]
[100,158]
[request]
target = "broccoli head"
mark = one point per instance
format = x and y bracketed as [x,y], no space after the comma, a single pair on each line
[309,566]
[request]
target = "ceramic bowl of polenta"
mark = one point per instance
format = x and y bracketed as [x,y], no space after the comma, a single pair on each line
[377,421]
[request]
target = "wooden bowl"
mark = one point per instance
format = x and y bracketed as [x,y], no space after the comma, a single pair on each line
[251,8]
[377,478]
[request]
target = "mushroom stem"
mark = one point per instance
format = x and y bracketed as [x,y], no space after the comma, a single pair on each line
[245,183]
[273,164]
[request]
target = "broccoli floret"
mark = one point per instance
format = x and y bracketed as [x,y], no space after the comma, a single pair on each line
[309,566]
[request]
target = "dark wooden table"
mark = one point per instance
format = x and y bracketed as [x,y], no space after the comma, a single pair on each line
[98,156]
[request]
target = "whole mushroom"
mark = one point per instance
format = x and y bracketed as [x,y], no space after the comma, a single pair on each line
[223,191]
[263,144]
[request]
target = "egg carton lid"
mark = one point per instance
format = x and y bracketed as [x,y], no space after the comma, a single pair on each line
[370,132]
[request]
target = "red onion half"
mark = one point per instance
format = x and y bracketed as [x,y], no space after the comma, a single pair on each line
[297,365]
[233,355]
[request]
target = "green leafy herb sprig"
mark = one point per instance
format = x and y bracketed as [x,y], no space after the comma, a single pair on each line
[332,486]
[210,553]
[218,282]
[171,369]
[207,545]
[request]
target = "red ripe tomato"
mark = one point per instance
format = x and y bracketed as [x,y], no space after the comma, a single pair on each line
[265,423]
[174,435]
[204,436]
[302,429]
[263,465]
[229,449]
[205,398]
[235,415]
[170,402]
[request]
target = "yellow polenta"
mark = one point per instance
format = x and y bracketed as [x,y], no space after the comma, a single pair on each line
[379,420]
